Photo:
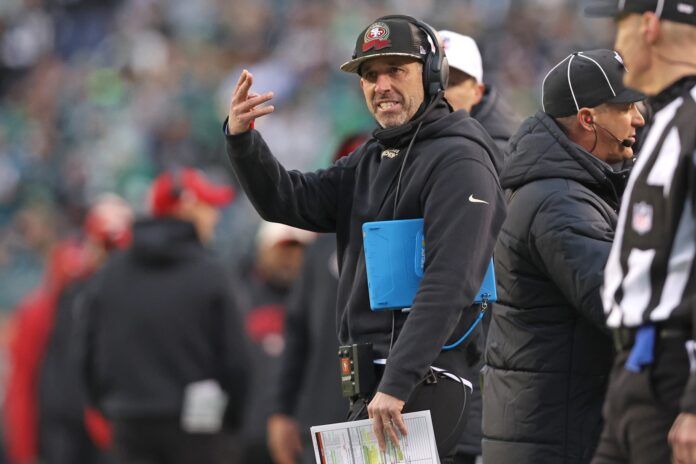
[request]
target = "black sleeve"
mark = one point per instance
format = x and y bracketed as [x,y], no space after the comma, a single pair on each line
[294,357]
[573,239]
[303,200]
[86,320]
[459,240]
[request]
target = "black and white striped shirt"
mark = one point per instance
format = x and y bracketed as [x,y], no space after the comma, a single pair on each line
[650,274]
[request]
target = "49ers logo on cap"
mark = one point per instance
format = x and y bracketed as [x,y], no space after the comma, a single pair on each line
[377,37]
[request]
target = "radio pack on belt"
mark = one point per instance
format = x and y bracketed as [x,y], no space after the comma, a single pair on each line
[357,369]
[395,259]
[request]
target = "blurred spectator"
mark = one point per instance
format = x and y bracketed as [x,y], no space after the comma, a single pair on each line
[307,384]
[67,432]
[466,89]
[45,407]
[264,287]
[163,349]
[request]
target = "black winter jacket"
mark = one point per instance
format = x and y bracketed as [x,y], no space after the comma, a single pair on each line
[548,353]
[159,317]
[452,160]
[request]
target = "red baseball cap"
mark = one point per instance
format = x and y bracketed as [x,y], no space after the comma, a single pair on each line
[168,187]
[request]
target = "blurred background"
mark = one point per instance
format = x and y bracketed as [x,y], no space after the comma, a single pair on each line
[101,95]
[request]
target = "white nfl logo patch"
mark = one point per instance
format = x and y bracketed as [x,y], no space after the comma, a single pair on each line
[642,218]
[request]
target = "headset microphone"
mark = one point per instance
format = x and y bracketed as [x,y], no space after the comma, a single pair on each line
[624,142]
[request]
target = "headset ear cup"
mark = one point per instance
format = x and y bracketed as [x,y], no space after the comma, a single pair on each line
[427,81]
[444,73]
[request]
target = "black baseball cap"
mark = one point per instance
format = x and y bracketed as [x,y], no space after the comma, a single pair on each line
[388,37]
[585,80]
[680,11]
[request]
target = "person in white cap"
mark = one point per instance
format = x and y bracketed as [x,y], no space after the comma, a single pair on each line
[466,89]
[262,292]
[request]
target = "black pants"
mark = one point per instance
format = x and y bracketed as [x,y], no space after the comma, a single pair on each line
[65,441]
[448,403]
[256,452]
[640,408]
[161,441]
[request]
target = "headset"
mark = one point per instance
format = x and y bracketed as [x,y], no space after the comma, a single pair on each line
[435,66]
[623,142]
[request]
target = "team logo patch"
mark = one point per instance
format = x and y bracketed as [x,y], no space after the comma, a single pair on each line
[685,8]
[377,37]
[618,58]
[642,218]
[390,153]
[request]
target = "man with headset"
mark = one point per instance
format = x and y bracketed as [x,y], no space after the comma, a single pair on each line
[423,161]
[548,353]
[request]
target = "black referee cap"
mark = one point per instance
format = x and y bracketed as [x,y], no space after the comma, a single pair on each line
[680,11]
[585,80]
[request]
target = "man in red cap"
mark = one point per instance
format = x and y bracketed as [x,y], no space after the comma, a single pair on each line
[45,415]
[163,348]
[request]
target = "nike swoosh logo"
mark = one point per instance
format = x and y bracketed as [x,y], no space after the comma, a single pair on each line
[476,200]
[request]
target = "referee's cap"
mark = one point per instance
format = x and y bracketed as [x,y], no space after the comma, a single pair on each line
[680,11]
[585,80]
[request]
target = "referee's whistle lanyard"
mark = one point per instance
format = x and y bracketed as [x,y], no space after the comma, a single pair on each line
[642,353]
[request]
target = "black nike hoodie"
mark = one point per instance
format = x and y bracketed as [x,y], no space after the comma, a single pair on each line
[449,179]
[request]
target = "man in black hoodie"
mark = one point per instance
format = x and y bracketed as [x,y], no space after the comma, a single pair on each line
[466,90]
[423,162]
[164,347]
[548,351]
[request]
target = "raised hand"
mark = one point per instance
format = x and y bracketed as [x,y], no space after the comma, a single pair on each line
[244,106]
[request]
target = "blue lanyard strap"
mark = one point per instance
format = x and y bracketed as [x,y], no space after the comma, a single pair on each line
[484,306]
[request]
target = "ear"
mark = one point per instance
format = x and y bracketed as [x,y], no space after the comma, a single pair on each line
[650,27]
[478,94]
[585,119]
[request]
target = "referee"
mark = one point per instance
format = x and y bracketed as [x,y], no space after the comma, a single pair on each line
[650,278]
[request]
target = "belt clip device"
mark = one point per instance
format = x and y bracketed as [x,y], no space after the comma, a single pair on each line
[357,369]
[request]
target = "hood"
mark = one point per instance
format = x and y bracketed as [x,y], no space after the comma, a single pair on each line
[495,115]
[164,240]
[541,150]
[440,122]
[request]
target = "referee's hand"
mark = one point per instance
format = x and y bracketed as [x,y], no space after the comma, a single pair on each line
[682,437]
[385,412]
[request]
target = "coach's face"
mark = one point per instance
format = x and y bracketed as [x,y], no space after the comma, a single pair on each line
[393,88]
[632,48]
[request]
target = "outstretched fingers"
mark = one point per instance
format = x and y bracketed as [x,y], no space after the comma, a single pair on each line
[245,105]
